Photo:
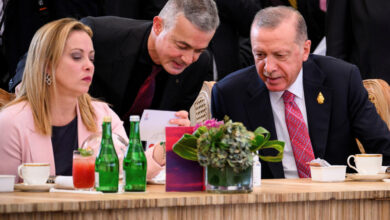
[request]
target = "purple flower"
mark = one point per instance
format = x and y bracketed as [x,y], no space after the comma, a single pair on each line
[212,123]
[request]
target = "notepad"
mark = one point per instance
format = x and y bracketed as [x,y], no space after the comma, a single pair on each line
[153,123]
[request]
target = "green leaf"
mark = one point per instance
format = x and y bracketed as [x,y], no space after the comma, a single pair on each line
[257,142]
[186,147]
[262,136]
[264,132]
[201,130]
[218,135]
[277,145]
[86,152]
[186,152]
[261,130]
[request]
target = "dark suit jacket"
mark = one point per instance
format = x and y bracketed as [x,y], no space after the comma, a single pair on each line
[333,126]
[358,32]
[117,43]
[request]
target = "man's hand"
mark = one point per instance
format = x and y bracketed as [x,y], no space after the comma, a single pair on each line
[182,120]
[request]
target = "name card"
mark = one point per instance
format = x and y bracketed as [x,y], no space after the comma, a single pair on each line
[181,175]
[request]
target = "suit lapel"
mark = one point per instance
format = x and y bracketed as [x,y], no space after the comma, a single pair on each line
[318,115]
[259,113]
[259,109]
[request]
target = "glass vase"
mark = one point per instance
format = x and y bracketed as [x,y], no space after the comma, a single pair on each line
[228,181]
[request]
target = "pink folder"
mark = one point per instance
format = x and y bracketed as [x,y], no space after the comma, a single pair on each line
[181,175]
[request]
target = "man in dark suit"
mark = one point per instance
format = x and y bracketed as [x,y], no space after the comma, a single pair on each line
[358,32]
[328,98]
[235,20]
[127,50]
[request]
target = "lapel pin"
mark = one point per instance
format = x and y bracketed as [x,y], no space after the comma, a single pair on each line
[320,98]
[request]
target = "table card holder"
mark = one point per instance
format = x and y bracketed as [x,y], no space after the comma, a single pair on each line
[181,175]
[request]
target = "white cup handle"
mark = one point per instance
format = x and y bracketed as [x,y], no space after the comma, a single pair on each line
[20,173]
[352,156]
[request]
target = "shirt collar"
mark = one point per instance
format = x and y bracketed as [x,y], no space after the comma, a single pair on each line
[296,88]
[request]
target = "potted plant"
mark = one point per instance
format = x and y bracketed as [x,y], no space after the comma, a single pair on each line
[226,150]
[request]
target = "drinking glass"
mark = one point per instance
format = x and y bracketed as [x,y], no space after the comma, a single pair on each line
[83,171]
[120,143]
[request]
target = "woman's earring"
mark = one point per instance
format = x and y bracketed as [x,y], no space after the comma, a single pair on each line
[48,79]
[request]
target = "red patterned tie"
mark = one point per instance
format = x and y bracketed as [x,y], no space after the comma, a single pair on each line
[144,98]
[299,135]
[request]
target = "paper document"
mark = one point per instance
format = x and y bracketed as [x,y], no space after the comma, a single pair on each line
[153,123]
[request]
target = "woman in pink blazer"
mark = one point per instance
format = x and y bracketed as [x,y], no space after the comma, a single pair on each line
[53,113]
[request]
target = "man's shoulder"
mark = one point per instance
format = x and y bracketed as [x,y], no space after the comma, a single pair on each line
[330,63]
[116,30]
[114,22]
[335,70]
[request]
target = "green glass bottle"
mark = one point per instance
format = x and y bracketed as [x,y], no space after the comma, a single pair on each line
[134,164]
[107,162]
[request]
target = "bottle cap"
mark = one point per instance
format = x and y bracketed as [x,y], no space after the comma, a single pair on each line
[134,117]
[107,119]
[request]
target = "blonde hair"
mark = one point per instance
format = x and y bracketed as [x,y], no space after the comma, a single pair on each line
[379,94]
[44,54]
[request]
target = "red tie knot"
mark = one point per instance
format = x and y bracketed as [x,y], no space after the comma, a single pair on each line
[288,97]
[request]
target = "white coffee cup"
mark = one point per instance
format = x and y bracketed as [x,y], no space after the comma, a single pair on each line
[34,173]
[366,164]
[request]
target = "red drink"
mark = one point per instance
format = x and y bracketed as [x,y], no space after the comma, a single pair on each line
[83,172]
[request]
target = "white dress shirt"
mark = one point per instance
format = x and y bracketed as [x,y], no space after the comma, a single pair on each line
[289,166]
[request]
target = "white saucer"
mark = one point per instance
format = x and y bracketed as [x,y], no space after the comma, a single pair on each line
[34,188]
[373,177]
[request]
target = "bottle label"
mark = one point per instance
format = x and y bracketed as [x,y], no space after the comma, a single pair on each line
[256,173]
[96,180]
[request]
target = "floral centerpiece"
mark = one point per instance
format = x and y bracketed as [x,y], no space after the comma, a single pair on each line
[226,150]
